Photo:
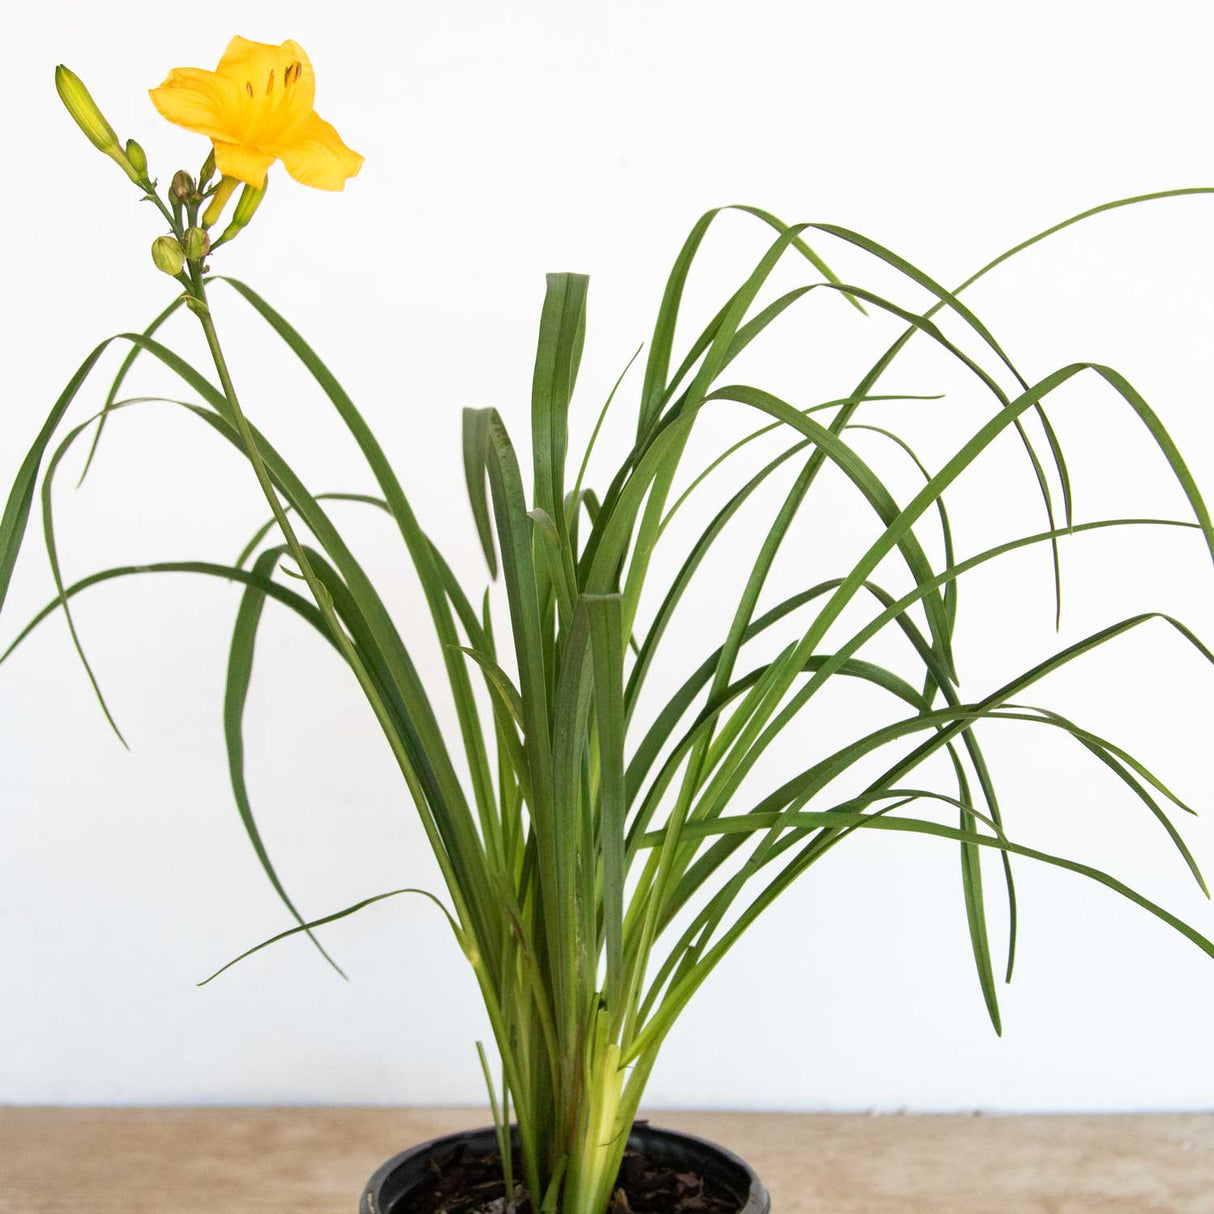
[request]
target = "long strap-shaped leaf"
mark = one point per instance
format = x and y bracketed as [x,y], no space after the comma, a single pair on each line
[333,918]
[654,396]
[572,926]
[430,763]
[419,547]
[757,736]
[657,367]
[606,633]
[657,1027]
[230,573]
[21,495]
[559,352]
[716,358]
[518,572]
[476,453]
[894,611]
[236,692]
[120,378]
[945,724]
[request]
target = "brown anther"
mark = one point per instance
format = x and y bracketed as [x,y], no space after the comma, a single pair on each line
[248,85]
[270,83]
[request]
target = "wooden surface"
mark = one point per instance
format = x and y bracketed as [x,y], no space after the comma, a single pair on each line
[314,1161]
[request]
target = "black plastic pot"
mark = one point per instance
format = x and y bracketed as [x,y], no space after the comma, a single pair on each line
[389,1190]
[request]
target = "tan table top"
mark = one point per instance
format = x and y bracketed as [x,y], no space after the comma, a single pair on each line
[314,1161]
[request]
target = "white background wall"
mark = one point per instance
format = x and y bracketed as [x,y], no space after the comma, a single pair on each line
[503,141]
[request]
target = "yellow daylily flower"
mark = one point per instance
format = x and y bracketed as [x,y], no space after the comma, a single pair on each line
[256,107]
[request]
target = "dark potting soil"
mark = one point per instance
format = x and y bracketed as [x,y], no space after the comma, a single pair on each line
[465,1183]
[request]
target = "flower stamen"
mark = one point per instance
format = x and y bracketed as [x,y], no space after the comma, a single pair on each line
[248,85]
[270,83]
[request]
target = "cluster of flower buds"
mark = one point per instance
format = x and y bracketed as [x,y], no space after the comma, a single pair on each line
[190,240]
[170,254]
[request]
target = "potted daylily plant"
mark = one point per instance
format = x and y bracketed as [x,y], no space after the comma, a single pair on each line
[597,871]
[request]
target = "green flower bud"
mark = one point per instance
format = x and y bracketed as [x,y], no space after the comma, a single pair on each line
[197,244]
[219,200]
[137,158]
[168,255]
[207,171]
[84,110]
[246,208]
[182,189]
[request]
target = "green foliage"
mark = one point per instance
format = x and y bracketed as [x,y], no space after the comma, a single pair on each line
[574,844]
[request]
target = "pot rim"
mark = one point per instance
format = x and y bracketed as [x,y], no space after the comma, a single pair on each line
[758,1200]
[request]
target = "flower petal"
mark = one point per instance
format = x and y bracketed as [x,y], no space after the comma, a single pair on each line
[244,163]
[314,155]
[200,101]
[277,84]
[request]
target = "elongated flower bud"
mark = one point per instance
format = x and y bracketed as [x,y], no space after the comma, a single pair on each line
[137,158]
[168,255]
[83,109]
[246,208]
[219,200]
[197,244]
[91,120]
[207,171]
